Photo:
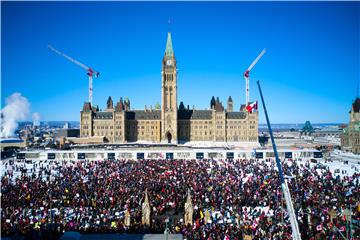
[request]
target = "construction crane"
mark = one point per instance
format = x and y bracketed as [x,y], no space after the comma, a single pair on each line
[90,72]
[247,75]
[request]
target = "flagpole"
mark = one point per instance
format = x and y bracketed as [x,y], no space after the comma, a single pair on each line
[284,185]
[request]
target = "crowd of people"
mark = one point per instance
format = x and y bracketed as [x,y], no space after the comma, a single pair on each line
[243,197]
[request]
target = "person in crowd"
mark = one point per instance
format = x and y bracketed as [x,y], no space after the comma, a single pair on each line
[242,197]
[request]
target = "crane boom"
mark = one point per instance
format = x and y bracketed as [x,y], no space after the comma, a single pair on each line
[90,71]
[256,59]
[285,188]
[68,58]
[247,76]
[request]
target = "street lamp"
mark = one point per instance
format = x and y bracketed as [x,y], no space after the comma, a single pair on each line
[167,230]
[347,213]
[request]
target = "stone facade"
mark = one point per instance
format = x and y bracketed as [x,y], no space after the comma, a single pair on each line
[350,139]
[145,211]
[171,123]
[189,210]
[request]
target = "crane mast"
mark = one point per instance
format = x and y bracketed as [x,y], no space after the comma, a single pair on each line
[89,71]
[247,76]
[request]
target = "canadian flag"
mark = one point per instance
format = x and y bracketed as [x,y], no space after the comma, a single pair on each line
[252,107]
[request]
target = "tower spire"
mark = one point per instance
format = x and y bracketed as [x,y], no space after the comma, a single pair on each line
[169,52]
[169,25]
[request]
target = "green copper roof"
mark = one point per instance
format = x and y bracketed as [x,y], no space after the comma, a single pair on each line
[169,52]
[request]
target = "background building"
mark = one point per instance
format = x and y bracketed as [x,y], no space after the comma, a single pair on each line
[350,139]
[67,132]
[171,123]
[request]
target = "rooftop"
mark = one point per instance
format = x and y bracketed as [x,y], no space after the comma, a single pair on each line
[356,105]
[103,115]
[194,114]
[236,115]
[143,115]
[11,140]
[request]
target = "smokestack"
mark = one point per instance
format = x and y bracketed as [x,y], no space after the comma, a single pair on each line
[36,119]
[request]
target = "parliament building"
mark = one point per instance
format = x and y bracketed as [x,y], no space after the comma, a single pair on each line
[350,138]
[171,123]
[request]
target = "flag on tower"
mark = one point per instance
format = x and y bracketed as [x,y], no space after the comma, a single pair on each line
[252,107]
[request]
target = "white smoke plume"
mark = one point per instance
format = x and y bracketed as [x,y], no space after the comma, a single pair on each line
[36,119]
[17,109]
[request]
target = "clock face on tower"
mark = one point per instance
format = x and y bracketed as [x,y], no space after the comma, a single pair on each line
[168,62]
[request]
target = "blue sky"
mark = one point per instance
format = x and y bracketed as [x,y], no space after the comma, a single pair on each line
[309,72]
